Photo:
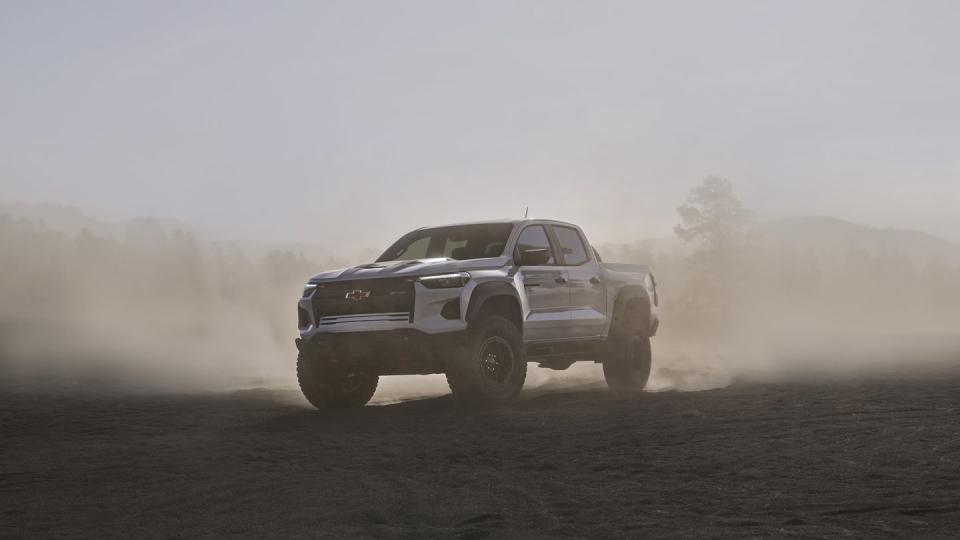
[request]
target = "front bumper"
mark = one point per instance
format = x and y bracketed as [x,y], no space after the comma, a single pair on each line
[390,352]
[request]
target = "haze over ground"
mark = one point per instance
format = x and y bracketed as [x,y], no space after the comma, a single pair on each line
[345,123]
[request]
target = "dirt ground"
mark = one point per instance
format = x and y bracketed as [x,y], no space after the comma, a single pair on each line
[815,459]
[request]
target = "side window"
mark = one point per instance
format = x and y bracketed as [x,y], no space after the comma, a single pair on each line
[574,252]
[534,247]
[455,249]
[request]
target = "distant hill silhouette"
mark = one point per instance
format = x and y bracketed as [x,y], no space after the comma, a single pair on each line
[71,220]
[831,235]
[820,235]
[60,218]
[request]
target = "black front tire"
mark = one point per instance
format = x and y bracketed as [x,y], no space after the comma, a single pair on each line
[490,367]
[333,385]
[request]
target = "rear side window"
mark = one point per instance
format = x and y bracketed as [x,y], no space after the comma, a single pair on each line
[574,252]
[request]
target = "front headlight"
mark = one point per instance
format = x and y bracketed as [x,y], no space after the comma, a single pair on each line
[308,289]
[445,281]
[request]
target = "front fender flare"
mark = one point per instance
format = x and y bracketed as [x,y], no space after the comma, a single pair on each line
[486,291]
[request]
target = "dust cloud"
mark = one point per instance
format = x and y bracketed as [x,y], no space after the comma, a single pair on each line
[150,305]
[144,306]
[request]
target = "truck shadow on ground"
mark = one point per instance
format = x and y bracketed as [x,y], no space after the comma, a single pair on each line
[284,413]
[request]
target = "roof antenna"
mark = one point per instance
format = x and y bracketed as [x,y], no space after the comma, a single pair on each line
[526,213]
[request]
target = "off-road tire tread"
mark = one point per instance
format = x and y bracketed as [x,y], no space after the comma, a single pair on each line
[619,348]
[324,393]
[464,382]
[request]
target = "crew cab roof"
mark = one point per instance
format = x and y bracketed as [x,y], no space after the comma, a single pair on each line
[501,221]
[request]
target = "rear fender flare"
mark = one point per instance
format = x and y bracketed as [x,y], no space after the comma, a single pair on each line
[625,297]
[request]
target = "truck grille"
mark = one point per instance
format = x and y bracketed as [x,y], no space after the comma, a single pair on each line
[362,297]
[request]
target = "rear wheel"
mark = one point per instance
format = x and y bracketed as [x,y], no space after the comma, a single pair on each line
[332,385]
[629,357]
[489,367]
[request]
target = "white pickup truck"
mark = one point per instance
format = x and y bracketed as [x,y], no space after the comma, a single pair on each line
[475,301]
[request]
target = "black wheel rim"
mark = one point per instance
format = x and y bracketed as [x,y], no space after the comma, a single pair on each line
[496,359]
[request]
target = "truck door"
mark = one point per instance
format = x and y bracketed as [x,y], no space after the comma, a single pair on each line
[588,293]
[547,314]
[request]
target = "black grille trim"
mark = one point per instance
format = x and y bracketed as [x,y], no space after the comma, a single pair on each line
[303,318]
[386,295]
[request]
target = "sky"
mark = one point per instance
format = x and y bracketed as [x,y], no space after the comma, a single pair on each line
[349,123]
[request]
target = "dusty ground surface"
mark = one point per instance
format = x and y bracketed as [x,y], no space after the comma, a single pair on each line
[878,458]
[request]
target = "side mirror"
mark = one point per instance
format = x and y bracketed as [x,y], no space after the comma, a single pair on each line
[534,256]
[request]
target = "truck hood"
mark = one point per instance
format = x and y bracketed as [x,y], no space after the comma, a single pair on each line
[415,268]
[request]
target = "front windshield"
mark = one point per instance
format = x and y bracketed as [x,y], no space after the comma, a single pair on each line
[460,242]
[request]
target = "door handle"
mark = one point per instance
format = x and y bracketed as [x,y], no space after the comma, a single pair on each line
[595,280]
[560,279]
